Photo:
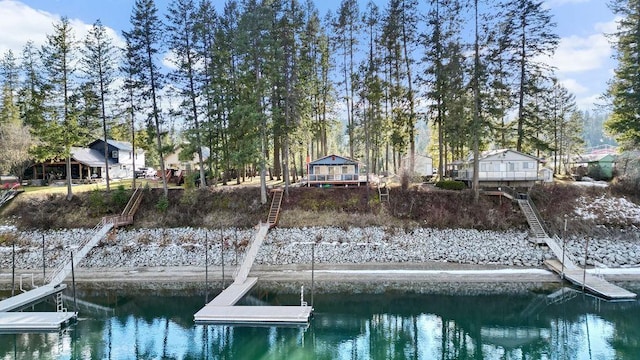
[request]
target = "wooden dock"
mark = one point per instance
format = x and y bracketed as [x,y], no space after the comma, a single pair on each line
[591,283]
[30,297]
[21,322]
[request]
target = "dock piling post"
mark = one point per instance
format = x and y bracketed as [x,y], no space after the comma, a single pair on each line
[564,244]
[73,282]
[44,266]
[584,268]
[222,256]
[206,267]
[313,262]
[13,267]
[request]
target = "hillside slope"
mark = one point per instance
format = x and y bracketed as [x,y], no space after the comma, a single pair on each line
[588,210]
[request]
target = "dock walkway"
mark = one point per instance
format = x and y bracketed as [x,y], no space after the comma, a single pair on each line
[590,282]
[25,299]
[222,309]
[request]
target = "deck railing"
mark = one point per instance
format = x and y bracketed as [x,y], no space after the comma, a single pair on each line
[117,220]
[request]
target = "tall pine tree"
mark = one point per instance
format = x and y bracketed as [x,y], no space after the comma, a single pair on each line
[99,62]
[144,40]
[624,88]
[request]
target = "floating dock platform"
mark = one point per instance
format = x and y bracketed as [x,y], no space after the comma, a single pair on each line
[254,315]
[221,309]
[21,322]
[591,283]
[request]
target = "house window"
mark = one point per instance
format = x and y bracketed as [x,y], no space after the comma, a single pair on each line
[483,167]
[345,169]
[512,167]
[527,165]
[114,154]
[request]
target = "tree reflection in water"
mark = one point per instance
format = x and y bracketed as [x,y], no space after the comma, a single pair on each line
[345,326]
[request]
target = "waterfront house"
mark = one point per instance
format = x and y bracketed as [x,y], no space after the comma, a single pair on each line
[334,170]
[120,156]
[178,160]
[422,166]
[88,163]
[598,165]
[502,167]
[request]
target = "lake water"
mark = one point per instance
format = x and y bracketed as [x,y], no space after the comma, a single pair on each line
[146,325]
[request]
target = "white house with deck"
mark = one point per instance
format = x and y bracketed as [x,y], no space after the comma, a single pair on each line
[502,167]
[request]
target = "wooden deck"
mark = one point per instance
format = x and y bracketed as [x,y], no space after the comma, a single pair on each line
[21,322]
[591,283]
[30,297]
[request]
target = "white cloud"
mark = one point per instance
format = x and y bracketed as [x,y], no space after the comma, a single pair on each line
[579,54]
[574,86]
[20,23]
[589,102]
[608,27]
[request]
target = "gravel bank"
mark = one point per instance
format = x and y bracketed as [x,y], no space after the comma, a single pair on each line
[186,247]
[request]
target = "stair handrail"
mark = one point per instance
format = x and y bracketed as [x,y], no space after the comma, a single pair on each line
[276,194]
[9,194]
[510,191]
[67,257]
[132,200]
[539,217]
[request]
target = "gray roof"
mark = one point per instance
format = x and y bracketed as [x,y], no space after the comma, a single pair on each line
[333,160]
[89,157]
[122,145]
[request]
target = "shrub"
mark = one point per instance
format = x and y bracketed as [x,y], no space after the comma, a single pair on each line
[96,201]
[405,179]
[450,185]
[120,197]
[189,196]
[597,173]
[628,186]
[7,239]
[163,204]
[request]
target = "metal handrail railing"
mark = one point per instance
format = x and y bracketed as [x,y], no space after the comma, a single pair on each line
[67,257]
[540,219]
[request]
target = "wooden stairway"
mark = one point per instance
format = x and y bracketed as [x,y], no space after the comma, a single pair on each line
[274,213]
[383,192]
[9,194]
[535,223]
[126,218]
[134,202]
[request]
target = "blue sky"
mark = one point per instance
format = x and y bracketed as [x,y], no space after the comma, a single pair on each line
[583,58]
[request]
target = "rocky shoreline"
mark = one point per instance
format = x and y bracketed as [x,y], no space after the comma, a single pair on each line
[186,247]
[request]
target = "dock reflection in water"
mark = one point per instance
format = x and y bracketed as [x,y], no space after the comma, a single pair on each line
[347,326]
